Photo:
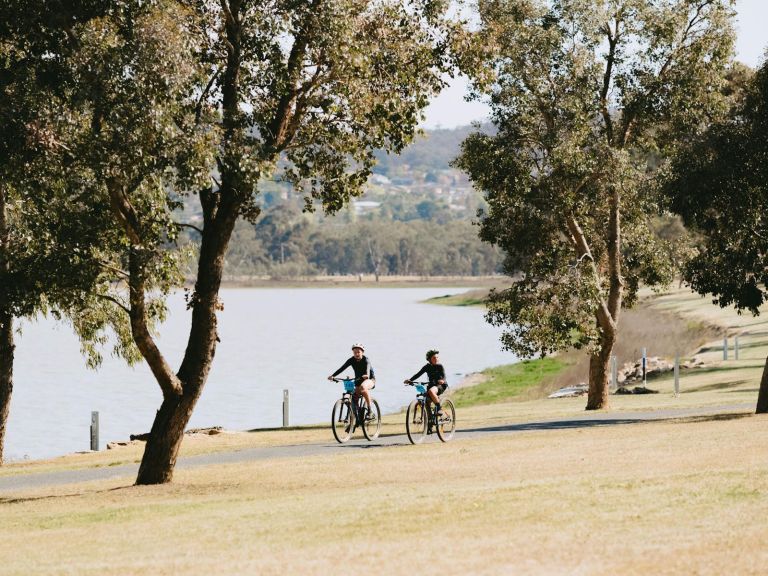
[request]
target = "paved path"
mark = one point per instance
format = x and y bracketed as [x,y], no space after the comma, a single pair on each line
[38,480]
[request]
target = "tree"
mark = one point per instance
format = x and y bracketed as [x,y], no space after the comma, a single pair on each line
[306,90]
[49,240]
[582,93]
[718,183]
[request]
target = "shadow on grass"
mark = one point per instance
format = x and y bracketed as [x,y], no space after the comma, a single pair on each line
[21,500]
[714,418]
[717,386]
[554,425]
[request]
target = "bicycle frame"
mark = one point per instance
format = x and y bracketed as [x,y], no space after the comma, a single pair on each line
[348,414]
[416,428]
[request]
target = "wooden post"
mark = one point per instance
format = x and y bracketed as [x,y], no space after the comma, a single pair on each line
[677,375]
[725,348]
[285,408]
[94,431]
[736,348]
[645,368]
[614,372]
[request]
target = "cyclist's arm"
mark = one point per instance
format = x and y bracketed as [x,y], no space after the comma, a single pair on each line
[419,373]
[343,367]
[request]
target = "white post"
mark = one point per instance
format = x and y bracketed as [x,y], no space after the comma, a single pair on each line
[677,375]
[725,348]
[285,408]
[614,372]
[94,431]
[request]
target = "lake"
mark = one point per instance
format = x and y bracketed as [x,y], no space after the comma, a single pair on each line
[271,340]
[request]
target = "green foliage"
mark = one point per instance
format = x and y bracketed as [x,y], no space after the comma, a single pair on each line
[54,241]
[508,382]
[585,95]
[718,184]
[285,242]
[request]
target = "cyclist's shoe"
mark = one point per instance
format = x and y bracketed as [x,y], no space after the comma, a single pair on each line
[370,414]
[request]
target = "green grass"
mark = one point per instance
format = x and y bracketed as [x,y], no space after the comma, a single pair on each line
[471,298]
[510,381]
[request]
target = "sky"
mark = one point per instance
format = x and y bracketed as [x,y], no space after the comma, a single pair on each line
[449,109]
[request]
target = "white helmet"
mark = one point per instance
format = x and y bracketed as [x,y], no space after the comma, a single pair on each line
[358,345]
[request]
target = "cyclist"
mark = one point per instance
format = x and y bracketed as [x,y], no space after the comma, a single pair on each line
[364,377]
[436,374]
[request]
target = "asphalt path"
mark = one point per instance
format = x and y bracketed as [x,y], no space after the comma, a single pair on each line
[386,442]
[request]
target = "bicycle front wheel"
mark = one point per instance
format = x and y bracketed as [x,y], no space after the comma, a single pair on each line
[416,422]
[342,420]
[446,424]
[372,422]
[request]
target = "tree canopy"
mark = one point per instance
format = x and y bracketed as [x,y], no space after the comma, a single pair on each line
[583,93]
[209,98]
[718,183]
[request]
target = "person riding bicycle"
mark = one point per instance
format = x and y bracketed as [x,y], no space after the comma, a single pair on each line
[364,376]
[436,374]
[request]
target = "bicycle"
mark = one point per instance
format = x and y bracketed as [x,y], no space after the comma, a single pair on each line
[418,427]
[346,416]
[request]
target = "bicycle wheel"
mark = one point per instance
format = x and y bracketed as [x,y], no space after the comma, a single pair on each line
[372,426]
[416,422]
[446,424]
[342,420]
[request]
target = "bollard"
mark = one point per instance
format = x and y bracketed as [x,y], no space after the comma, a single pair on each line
[725,348]
[285,408]
[677,375]
[736,348]
[614,372]
[94,431]
[645,364]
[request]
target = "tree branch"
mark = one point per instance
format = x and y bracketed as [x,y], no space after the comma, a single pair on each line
[115,301]
[168,381]
[584,253]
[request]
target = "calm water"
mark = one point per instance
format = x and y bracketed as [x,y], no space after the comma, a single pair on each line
[271,339]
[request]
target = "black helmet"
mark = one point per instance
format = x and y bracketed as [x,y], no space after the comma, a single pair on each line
[431,353]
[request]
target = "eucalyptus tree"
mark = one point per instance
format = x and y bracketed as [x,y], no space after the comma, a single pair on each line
[582,92]
[48,239]
[718,183]
[302,91]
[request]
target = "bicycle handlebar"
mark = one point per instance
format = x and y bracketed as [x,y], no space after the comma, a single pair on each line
[342,379]
[415,383]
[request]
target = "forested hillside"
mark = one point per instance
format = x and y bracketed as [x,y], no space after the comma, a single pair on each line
[416,218]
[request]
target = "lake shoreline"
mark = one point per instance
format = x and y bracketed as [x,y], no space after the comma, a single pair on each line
[360,281]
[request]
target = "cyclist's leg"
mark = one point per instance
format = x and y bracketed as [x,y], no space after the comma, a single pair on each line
[364,388]
[434,395]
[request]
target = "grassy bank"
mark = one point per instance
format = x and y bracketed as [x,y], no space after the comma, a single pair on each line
[475,297]
[682,495]
[513,381]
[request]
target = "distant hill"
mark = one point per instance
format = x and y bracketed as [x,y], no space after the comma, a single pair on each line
[430,152]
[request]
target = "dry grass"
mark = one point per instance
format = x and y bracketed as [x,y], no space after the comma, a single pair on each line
[674,497]
[685,496]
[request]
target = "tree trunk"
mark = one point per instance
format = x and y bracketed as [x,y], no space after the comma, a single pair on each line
[6,328]
[6,373]
[167,432]
[599,369]
[762,397]
[164,441]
